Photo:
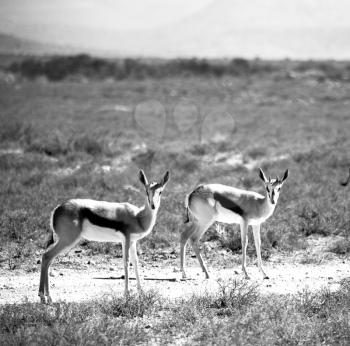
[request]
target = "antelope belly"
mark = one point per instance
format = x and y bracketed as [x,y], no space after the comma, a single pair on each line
[97,233]
[257,221]
[227,216]
[136,236]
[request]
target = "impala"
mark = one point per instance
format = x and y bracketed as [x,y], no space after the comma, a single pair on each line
[105,222]
[220,203]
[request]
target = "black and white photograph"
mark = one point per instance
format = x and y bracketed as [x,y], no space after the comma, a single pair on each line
[174,172]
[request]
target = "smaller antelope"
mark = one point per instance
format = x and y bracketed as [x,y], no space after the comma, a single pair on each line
[105,222]
[221,203]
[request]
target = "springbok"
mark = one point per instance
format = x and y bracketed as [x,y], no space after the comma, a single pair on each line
[346,182]
[105,222]
[216,202]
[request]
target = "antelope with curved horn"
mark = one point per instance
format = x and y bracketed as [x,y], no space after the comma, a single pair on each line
[216,202]
[105,222]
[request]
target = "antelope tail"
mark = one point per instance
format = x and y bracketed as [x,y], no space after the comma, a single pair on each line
[50,240]
[197,191]
[187,215]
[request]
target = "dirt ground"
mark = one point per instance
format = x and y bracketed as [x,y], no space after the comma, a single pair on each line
[81,278]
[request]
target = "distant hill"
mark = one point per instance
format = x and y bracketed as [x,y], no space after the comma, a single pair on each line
[271,29]
[10,44]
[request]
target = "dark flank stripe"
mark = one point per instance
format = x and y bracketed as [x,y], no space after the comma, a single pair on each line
[228,203]
[101,221]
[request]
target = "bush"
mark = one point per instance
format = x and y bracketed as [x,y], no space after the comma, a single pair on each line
[57,68]
[231,239]
[340,247]
[87,144]
[329,68]
[256,152]
[54,144]
[133,306]
[311,222]
[65,324]
[16,130]
[235,295]
[12,224]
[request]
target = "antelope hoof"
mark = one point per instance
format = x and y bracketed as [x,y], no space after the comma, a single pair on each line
[246,276]
[265,277]
[48,300]
[42,298]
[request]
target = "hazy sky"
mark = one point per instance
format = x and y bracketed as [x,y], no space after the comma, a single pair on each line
[100,14]
[269,28]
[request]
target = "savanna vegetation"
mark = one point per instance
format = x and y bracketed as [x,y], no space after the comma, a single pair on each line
[74,127]
[236,315]
[71,67]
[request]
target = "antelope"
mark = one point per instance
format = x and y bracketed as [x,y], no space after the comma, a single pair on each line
[346,182]
[104,222]
[221,203]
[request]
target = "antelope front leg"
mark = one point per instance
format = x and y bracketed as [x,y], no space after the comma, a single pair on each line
[183,246]
[244,240]
[257,241]
[135,262]
[126,264]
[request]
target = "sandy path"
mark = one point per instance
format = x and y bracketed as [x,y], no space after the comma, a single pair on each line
[71,284]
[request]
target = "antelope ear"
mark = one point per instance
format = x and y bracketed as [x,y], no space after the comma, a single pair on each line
[286,173]
[142,177]
[262,176]
[166,178]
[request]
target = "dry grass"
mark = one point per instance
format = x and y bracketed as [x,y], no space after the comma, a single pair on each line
[67,140]
[78,141]
[236,315]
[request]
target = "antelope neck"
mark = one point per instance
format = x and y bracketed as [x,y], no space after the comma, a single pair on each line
[147,215]
[266,206]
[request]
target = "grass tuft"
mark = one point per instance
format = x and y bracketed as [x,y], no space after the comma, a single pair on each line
[235,314]
[133,306]
[234,295]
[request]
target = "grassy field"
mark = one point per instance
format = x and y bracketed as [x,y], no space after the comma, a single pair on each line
[237,315]
[89,138]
